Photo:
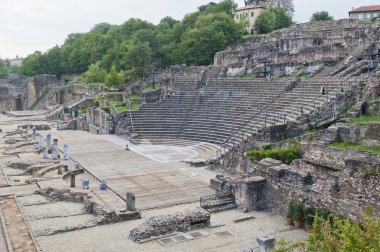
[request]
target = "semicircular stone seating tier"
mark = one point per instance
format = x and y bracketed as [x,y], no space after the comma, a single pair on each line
[230,109]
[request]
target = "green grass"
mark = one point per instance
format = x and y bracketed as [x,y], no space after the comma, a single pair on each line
[115,102]
[284,155]
[134,96]
[135,107]
[304,76]
[121,109]
[365,119]
[83,111]
[377,99]
[105,109]
[247,76]
[346,145]
[149,88]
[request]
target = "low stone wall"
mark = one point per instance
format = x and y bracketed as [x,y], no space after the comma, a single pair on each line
[365,134]
[101,119]
[168,224]
[92,204]
[342,181]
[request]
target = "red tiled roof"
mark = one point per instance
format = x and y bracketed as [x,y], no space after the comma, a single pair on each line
[367,8]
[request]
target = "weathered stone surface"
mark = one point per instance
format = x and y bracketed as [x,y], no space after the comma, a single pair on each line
[93,205]
[167,224]
[251,194]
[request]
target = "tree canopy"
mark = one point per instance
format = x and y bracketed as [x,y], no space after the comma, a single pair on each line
[3,69]
[137,46]
[272,19]
[321,16]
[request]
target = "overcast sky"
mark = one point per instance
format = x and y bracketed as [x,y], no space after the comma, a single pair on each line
[30,25]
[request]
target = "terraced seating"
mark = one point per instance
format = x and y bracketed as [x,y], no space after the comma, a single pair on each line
[231,109]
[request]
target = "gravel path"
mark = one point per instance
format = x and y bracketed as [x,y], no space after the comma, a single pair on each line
[53,210]
[115,237]
[60,224]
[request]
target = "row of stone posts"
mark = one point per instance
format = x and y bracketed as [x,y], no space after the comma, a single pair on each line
[53,149]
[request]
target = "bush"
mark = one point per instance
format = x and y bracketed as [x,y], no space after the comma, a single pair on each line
[309,213]
[290,212]
[298,214]
[284,155]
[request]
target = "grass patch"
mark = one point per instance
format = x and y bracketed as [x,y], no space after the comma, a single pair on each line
[365,119]
[134,96]
[135,107]
[247,76]
[377,99]
[312,130]
[115,102]
[304,76]
[105,109]
[121,109]
[284,155]
[83,111]
[150,88]
[352,146]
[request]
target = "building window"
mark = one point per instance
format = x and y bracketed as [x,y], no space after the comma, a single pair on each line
[237,16]
[252,14]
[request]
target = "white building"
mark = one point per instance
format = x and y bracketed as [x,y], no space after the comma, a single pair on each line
[249,13]
[16,62]
[365,12]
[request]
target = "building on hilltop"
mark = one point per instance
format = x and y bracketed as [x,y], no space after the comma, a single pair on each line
[16,61]
[249,13]
[365,12]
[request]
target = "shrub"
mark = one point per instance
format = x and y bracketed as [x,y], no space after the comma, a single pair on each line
[290,212]
[309,213]
[284,155]
[298,214]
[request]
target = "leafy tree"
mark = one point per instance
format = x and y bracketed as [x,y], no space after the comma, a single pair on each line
[265,22]
[134,45]
[95,74]
[321,16]
[287,5]
[212,33]
[282,19]
[114,79]
[54,61]
[227,6]
[139,58]
[33,64]
[3,70]
[272,19]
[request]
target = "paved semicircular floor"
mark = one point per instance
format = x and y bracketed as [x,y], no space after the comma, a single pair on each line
[155,183]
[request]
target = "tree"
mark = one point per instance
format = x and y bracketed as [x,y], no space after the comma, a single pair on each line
[95,74]
[287,5]
[272,19]
[212,33]
[321,16]
[226,6]
[114,79]
[282,19]
[139,58]
[265,22]
[3,70]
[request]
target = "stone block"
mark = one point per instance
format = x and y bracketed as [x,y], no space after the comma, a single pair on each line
[251,194]
[266,243]
[131,202]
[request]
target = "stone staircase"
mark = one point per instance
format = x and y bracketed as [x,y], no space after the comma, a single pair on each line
[231,109]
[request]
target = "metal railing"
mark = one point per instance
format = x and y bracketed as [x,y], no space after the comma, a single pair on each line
[221,198]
